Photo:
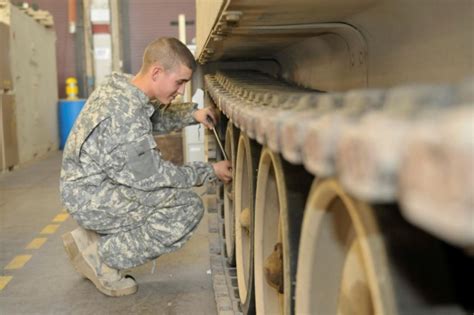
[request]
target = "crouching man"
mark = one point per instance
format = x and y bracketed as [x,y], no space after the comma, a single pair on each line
[130,204]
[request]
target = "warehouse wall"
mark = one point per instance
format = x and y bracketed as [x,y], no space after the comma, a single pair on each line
[65,57]
[150,19]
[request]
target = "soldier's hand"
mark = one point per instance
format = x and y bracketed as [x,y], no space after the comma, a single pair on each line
[203,116]
[223,170]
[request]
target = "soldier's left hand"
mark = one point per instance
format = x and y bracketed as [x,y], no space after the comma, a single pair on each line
[223,170]
[203,115]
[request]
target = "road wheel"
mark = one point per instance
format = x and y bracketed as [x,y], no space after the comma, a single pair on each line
[281,193]
[248,153]
[231,137]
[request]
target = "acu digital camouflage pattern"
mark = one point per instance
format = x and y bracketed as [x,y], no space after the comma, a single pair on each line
[113,180]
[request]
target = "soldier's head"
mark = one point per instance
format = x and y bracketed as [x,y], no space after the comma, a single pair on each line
[167,66]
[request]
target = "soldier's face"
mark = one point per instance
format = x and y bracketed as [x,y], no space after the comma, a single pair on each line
[167,84]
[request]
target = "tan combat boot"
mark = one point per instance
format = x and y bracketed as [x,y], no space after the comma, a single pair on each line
[78,240]
[109,281]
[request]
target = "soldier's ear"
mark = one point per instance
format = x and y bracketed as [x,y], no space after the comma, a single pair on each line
[156,71]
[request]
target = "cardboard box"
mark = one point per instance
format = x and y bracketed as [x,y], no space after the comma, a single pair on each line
[6,82]
[8,133]
[171,147]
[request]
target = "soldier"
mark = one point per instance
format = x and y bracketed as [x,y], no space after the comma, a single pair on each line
[130,204]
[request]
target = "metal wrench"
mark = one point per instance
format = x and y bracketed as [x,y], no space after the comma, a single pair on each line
[217,138]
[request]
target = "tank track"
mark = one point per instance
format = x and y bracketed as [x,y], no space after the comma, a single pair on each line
[224,279]
[378,142]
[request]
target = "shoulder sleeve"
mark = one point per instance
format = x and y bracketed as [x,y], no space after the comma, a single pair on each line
[167,118]
[139,165]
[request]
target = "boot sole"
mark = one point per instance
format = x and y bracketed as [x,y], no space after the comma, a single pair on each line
[86,270]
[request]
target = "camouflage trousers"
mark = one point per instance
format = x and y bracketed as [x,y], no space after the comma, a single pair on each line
[160,225]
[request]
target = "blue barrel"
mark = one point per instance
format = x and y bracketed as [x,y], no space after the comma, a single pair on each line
[68,112]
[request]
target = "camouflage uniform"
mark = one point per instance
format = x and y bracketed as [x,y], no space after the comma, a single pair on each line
[113,180]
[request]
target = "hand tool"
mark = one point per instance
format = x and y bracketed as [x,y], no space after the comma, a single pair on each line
[209,119]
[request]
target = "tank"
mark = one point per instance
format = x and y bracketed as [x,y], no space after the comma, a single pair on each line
[350,128]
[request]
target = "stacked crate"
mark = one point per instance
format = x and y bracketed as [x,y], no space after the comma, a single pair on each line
[28,85]
[8,128]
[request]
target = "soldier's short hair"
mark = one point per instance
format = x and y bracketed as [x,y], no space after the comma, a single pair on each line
[169,52]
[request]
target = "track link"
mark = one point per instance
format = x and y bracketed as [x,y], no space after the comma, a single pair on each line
[383,145]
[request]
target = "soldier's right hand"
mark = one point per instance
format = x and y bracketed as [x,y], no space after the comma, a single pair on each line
[223,170]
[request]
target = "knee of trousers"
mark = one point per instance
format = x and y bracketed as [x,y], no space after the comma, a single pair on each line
[195,203]
[123,250]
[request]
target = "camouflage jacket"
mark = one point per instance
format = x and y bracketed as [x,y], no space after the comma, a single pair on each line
[111,156]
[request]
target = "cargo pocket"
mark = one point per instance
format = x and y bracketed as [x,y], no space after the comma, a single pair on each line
[140,158]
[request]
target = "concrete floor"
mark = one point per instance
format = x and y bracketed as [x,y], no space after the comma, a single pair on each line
[47,284]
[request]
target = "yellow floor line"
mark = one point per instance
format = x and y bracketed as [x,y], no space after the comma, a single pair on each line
[18,262]
[61,217]
[4,281]
[36,243]
[50,229]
